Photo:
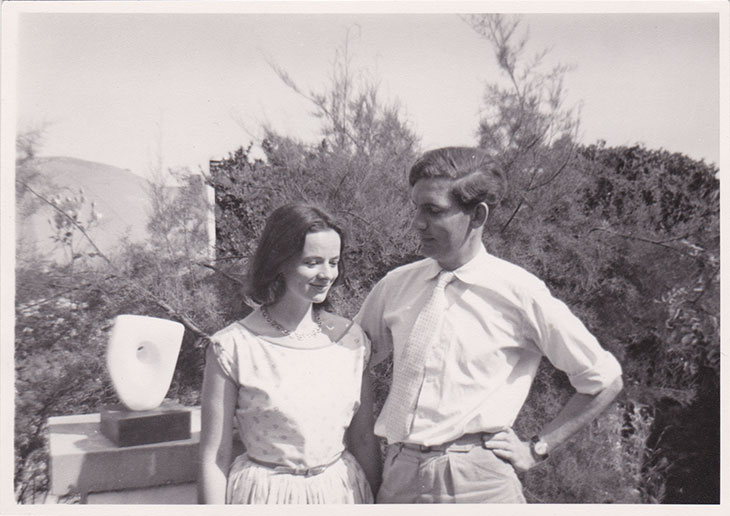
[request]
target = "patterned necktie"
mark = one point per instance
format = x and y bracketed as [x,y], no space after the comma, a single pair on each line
[399,408]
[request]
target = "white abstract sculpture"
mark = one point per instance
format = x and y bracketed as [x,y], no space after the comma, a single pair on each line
[141,359]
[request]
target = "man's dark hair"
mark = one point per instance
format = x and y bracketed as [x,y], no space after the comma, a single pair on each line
[475,175]
[282,239]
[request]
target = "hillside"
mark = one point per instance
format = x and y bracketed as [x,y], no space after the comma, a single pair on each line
[120,196]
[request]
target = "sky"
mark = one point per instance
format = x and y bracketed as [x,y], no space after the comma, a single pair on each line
[127,88]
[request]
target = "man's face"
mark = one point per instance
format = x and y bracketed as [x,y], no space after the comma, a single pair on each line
[441,223]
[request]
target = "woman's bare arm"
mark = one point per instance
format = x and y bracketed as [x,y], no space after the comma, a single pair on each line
[361,439]
[218,406]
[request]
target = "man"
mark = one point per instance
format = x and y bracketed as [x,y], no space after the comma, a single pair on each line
[468,331]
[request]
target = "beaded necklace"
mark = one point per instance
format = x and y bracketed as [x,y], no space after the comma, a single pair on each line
[288,333]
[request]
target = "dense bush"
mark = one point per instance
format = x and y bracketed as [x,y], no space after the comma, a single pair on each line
[643,275]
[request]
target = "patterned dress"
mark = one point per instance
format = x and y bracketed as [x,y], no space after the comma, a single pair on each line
[294,406]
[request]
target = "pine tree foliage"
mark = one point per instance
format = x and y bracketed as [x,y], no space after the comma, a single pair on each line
[629,239]
[526,124]
[357,170]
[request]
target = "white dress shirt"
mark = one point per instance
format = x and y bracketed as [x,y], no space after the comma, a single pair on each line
[500,320]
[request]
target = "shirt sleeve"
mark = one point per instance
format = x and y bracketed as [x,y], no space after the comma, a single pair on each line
[368,349]
[568,344]
[223,345]
[371,319]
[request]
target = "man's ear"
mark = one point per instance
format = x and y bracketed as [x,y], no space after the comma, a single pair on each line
[480,215]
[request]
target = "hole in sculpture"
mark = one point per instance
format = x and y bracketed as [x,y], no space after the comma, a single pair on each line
[147,353]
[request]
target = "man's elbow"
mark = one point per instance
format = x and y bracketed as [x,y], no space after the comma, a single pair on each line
[615,387]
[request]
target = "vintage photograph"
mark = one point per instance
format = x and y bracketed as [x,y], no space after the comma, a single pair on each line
[362,253]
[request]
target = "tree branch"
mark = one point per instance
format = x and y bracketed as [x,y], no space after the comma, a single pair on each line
[641,239]
[514,214]
[560,169]
[222,272]
[184,319]
[319,102]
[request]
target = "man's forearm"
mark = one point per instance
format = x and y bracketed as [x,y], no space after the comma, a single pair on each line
[580,410]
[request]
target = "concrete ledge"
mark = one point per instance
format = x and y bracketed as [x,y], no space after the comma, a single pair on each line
[83,461]
[168,495]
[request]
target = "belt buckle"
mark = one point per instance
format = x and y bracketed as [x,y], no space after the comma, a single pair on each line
[304,472]
[425,449]
[461,448]
[314,471]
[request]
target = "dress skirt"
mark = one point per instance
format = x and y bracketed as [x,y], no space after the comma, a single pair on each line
[343,482]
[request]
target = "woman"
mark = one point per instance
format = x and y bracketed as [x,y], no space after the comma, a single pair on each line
[292,376]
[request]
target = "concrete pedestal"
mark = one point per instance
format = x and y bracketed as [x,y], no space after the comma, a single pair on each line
[83,461]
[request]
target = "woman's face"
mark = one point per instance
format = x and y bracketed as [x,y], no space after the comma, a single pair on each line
[310,275]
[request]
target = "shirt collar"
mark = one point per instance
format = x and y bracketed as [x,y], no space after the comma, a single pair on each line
[471,272]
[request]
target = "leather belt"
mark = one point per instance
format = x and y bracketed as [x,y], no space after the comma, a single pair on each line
[462,444]
[306,472]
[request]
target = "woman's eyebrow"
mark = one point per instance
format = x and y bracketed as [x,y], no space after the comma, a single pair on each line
[319,257]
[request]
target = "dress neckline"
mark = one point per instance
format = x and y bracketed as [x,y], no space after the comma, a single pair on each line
[332,342]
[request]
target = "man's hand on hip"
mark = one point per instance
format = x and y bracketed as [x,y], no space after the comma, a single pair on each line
[507,446]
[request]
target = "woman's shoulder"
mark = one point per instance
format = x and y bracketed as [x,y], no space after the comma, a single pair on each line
[334,320]
[334,325]
[341,329]
[233,334]
[231,328]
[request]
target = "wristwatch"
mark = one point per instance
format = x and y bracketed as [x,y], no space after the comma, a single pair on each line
[539,448]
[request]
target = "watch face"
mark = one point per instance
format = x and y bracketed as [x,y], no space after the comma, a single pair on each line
[541,448]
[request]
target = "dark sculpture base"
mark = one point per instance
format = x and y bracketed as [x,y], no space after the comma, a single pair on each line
[168,422]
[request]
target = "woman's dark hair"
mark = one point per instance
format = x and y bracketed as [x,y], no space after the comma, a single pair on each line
[474,173]
[282,239]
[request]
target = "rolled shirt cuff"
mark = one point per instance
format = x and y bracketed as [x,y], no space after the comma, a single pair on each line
[598,377]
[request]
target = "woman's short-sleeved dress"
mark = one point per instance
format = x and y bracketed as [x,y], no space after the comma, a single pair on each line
[294,406]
